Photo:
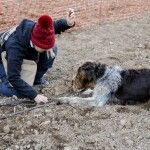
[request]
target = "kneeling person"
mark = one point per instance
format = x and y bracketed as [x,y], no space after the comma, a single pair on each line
[27,52]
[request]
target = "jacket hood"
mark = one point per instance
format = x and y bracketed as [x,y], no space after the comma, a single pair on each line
[23,32]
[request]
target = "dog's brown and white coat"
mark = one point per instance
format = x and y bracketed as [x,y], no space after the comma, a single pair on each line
[103,81]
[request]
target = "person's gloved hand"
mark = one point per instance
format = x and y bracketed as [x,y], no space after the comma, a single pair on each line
[70,17]
[40,99]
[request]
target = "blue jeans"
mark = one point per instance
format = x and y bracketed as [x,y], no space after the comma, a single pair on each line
[5,88]
[44,64]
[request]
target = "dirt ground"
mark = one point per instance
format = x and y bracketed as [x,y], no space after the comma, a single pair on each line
[87,11]
[63,127]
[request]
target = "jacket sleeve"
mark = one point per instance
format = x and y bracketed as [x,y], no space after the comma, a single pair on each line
[61,25]
[14,62]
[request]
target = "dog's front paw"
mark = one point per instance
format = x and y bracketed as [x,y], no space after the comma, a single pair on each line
[62,100]
[87,93]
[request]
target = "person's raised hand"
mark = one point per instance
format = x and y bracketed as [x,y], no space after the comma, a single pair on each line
[70,17]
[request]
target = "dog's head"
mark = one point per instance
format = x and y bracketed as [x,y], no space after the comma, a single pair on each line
[87,75]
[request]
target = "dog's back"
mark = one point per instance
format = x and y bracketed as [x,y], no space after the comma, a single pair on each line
[135,86]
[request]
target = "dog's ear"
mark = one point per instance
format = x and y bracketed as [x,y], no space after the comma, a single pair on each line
[89,70]
[99,70]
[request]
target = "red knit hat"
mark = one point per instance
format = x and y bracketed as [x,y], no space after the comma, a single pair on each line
[43,34]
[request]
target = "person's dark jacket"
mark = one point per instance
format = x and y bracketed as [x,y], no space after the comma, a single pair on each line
[18,48]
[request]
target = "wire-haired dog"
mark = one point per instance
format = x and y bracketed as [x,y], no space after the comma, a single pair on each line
[106,82]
